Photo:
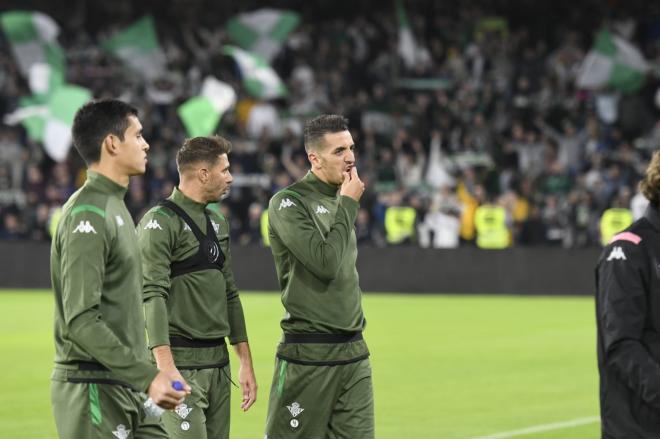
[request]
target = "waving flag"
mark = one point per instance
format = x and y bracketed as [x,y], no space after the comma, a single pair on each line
[259,78]
[263,31]
[33,39]
[201,114]
[138,47]
[613,62]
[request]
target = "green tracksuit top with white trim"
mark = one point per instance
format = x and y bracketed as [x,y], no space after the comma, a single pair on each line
[97,279]
[200,305]
[312,236]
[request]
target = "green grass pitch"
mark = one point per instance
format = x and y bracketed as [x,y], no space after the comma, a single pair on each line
[444,366]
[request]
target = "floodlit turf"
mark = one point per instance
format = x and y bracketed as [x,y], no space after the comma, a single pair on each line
[444,366]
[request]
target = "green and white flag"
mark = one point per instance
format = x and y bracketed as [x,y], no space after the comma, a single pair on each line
[263,31]
[407,45]
[138,47]
[49,120]
[201,114]
[31,113]
[33,39]
[259,78]
[613,62]
[62,107]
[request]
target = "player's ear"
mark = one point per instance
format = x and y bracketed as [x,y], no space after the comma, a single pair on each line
[109,145]
[313,158]
[203,174]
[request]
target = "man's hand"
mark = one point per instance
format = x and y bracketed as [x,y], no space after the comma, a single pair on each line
[246,377]
[248,384]
[165,362]
[162,393]
[352,186]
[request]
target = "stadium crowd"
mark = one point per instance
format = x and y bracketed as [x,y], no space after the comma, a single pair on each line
[488,113]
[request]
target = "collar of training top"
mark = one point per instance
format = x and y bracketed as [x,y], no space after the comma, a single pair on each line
[653,216]
[182,200]
[104,184]
[324,188]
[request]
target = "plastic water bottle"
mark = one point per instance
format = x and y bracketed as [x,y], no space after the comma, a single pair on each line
[152,409]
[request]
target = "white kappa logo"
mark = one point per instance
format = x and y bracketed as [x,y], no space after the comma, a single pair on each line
[295,409]
[84,227]
[216,227]
[120,222]
[321,209]
[153,225]
[186,227]
[122,432]
[617,253]
[286,203]
[183,410]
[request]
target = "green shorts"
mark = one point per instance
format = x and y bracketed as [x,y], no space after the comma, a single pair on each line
[319,402]
[95,410]
[205,412]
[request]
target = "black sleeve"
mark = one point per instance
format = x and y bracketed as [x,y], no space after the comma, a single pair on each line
[622,311]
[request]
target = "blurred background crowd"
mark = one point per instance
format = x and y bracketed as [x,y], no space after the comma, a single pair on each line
[484,110]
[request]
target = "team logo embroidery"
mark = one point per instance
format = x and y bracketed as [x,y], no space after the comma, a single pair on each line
[84,227]
[216,227]
[120,222]
[295,409]
[122,432]
[286,203]
[183,411]
[617,253]
[294,423]
[153,225]
[321,209]
[185,426]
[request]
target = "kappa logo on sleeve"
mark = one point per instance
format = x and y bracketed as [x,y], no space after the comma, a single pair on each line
[320,210]
[153,225]
[84,227]
[286,203]
[617,253]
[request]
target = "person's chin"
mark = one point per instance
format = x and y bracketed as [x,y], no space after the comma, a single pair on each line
[140,170]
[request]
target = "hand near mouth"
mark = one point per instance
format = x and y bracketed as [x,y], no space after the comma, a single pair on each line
[352,186]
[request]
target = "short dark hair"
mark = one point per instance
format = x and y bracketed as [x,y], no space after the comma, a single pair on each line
[201,149]
[94,121]
[321,125]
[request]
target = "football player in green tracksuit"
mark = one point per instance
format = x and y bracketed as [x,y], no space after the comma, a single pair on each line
[322,385]
[101,358]
[191,300]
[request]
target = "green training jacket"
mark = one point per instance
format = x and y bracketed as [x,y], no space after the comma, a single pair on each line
[312,236]
[97,280]
[202,305]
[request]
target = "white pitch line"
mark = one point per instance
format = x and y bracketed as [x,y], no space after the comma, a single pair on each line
[543,427]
